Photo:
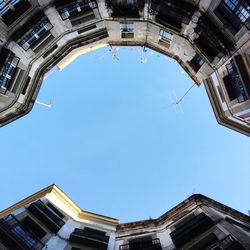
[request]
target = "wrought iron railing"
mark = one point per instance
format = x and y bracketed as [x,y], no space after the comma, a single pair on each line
[8,70]
[236,82]
[75,8]
[191,228]
[91,234]
[19,233]
[226,243]
[143,245]
[36,34]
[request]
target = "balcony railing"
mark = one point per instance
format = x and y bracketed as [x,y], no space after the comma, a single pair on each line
[172,13]
[33,37]
[227,243]
[48,217]
[76,8]
[90,237]
[125,8]
[190,229]
[211,41]
[237,86]
[153,244]
[8,71]
[16,236]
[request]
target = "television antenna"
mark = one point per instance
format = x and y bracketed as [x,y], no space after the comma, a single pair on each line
[114,52]
[48,105]
[177,101]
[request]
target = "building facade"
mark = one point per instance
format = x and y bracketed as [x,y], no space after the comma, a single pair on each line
[50,220]
[208,38]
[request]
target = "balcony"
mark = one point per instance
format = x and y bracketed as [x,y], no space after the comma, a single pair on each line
[234,84]
[90,237]
[228,243]
[233,14]
[46,215]
[14,235]
[8,66]
[11,10]
[172,14]
[150,244]
[211,41]
[76,11]
[34,34]
[128,9]
[190,229]
[242,68]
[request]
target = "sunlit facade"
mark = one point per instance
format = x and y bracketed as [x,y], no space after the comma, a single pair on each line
[209,39]
[50,220]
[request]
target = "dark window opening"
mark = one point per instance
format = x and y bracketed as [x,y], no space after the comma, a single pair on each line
[171,13]
[26,85]
[227,243]
[196,62]
[46,216]
[211,41]
[205,243]
[125,8]
[190,228]
[55,210]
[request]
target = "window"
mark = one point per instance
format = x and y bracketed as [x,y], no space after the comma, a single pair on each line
[196,62]
[127,29]
[37,32]
[55,210]
[166,36]
[127,26]
[239,8]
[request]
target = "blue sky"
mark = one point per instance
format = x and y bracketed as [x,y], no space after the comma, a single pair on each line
[116,146]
